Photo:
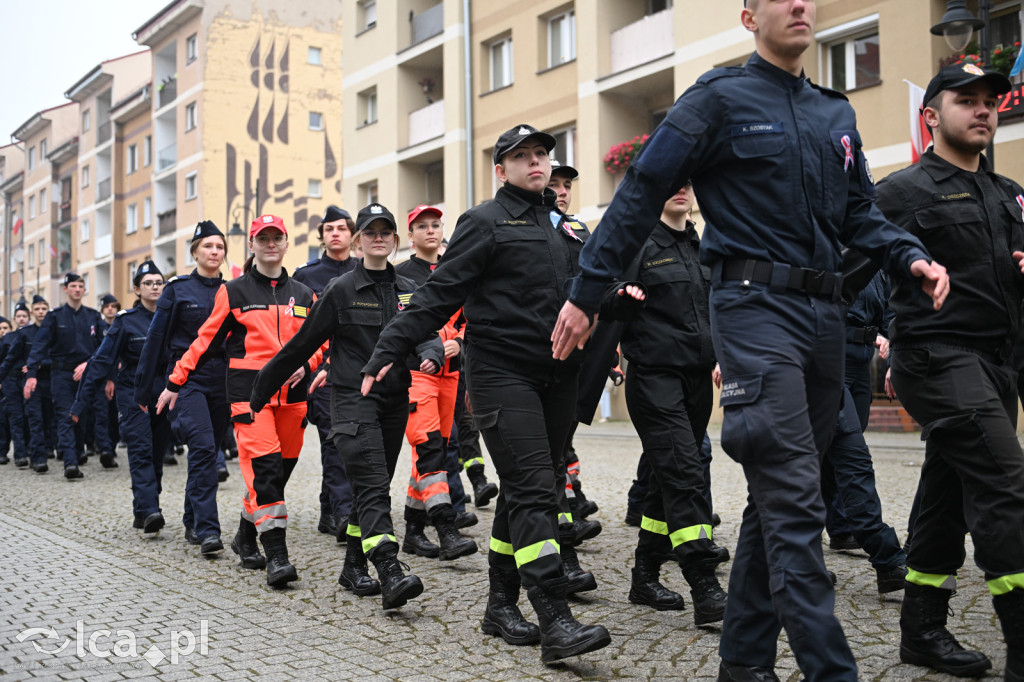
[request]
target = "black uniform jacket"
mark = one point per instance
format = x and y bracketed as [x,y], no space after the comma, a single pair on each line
[507,265]
[351,313]
[971,223]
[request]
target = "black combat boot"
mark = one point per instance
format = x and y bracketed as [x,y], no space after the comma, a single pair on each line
[465,519]
[583,506]
[1010,609]
[483,491]
[647,589]
[354,576]
[734,672]
[707,595]
[578,580]
[561,635]
[453,543]
[503,617]
[416,542]
[585,530]
[925,641]
[245,546]
[396,587]
[280,572]
[328,524]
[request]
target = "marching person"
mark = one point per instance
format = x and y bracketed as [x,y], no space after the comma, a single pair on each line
[952,371]
[507,264]
[11,385]
[109,308]
[146,434]
[432,411]
[252,318]
[201,411]
[335,231]
[5,426]
[68,337]
[368,429]
[783,182]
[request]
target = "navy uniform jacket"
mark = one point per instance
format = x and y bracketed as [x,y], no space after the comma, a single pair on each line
[183,307]
[871,307]
[68,337]
[316,274]
[778,167]
[14,349]
[121,346]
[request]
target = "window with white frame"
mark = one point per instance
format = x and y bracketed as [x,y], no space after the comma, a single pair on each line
[31,255]
[32,207]
[131,159]
[500,52]
[133,265]
[42,251]
[85,176]
[31,158]
[368,191]
[191,48]
[42,201]
[314,56]
[562,38]
[147,212]
[368,105]
[849,54]
[314,189]
[190,117]
[42,150]
[131,219]
[367,14]
[191,186]
[86,120]
[147,151]
[83,230]
[565,146]
[316,120]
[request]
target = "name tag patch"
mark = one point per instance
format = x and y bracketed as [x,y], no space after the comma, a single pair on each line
[770,128]
[741,390]
[661,261]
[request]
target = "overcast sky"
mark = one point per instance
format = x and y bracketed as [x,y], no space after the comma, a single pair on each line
[47,45]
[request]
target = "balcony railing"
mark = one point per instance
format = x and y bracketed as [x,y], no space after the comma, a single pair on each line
[65,211]
[166,222]
[426,123]
[168,92]
[103,190]
[103,133]
[428,24]
[642,41]
[166,157]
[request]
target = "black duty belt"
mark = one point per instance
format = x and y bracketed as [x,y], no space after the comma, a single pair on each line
[780,276]
[863,335]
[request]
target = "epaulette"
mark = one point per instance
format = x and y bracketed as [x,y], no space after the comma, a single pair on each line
[828,91]
[124,312]
[722,72]
[312,262]
[176,278]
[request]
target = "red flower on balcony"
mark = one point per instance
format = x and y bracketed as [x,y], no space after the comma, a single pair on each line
[620,155]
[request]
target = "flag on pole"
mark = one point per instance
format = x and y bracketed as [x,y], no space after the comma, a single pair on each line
[920,136]
[236,271]
[53,252]
[17,226]
[1018,65]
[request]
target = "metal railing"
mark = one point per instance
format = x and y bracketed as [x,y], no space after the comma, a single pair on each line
[166,157]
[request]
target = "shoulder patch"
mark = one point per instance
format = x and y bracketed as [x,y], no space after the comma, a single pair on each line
[721,72]
[176,278]
[403,299]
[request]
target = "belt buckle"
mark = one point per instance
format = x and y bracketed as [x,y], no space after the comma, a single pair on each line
[813,280]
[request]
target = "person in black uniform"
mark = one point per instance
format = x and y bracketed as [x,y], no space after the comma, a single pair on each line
[507,265]
[146,434]
[952,371]
[11,378]
[109,308]
[68,337]
[6,327]
[777,163]
[335,230]
[38,408]
[368,429]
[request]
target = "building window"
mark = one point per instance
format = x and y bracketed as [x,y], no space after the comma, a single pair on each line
[133,265]
[313,56]
[368,106]
[655,6]
[83,230]
[314,191]
[367,14]
[131,159]
[85,176]
[42,150]
[191,48]
[31,158]
[131,219]
[147,151]
[42,251]
[562,38]
[850,54]
[190,117]
[31,255]
[316,120]
[191,186]
[368,192]
[42,201]
[147,212]
[501,63]
[86,120]
[565,146]
[32,207]
[434,181]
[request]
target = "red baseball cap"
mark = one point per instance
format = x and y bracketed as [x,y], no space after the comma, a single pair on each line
[423,208]
[264,222]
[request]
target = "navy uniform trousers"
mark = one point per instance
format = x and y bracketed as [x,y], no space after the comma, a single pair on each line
[200,418]
[335,491]
[781,355]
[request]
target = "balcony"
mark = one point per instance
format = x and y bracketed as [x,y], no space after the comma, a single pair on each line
[103,133]
[426,123]
[168,92]
[428,24]
[166,157]
[642,41]
[103,190]
[65,211]
[166,222]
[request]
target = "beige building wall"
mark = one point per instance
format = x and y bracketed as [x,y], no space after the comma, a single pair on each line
[12,171]
[134,216]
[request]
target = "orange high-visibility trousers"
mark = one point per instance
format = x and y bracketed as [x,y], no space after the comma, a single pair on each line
[431,413]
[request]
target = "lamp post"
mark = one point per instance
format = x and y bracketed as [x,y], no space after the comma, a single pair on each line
[243,207]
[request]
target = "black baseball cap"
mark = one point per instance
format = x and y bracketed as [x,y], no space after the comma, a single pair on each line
[958,75]
[513,137]
[562,169]
[368,214]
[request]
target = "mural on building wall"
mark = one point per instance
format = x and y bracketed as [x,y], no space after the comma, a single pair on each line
[270,80]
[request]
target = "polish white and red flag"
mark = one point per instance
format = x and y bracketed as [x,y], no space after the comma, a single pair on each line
[920,136]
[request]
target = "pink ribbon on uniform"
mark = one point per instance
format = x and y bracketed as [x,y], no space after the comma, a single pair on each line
[848,146]
[1020,200]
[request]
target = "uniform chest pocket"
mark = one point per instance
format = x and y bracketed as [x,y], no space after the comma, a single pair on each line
[750,141]
[665,274]
[371,317]
[948,215]
[507,234]
[1016,231]
[954,232]
[196,314]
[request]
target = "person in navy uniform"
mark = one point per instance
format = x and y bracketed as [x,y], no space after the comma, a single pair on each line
[11,384]
[6,327]
[777,163]
[68,336]
[109,308]
[38,408]
[200,416]
[146,435]
[335,231]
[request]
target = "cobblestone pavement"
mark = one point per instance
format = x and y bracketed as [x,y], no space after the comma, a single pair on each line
[71,563]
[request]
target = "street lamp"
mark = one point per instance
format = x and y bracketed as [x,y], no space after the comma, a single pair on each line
[958,25]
